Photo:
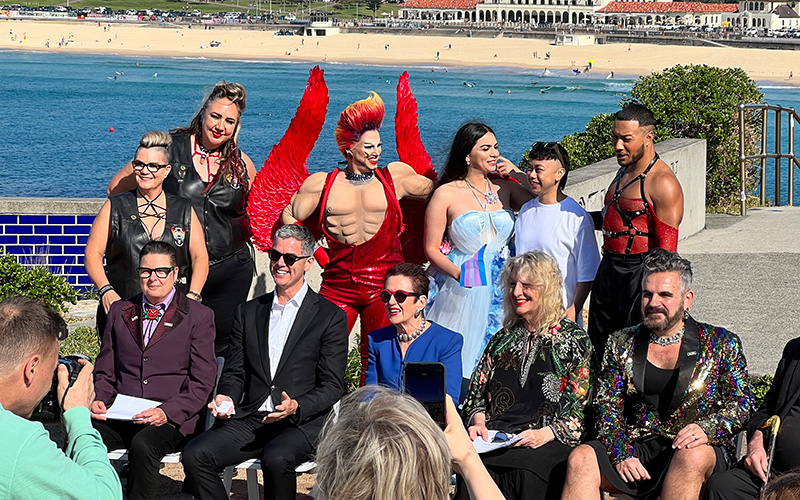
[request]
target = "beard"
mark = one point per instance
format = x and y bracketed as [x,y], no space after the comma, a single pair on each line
[652,319]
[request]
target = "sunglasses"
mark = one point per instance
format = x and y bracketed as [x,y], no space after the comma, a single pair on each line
[399,295]
[151,167]
[288,258]
[556,147]
[501,437]
[161,272]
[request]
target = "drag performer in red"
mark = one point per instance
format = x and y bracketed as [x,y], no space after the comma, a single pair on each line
[357,209]
[643,209]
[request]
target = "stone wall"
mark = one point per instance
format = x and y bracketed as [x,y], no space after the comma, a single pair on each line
[53,231]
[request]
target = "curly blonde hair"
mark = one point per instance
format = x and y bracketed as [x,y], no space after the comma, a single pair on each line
[382,446]
[541,272]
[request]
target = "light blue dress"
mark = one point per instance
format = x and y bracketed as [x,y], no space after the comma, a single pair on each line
[477,312]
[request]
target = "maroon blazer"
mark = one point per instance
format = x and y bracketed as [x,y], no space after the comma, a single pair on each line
[178,366]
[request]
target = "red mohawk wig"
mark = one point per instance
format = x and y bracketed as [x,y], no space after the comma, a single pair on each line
[357,118]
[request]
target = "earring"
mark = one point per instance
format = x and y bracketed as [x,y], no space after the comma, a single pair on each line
[468,162]
[685,315]
[418,313]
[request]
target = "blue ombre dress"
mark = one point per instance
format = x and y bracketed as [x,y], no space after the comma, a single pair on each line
[477,312]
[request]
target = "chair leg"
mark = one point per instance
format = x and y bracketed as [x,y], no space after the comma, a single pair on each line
[252,484]
[227,479]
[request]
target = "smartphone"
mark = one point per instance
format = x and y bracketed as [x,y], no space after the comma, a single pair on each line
[426,383]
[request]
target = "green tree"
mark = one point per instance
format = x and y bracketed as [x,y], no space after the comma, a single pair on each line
[698,102]
[702,102]
[374,5]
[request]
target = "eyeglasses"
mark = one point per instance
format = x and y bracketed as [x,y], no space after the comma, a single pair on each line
[399,295]
[288,258]
[556,147]
[151,167]
[161,272]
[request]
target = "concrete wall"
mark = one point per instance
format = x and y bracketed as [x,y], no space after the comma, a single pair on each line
[686,157]
[53,231]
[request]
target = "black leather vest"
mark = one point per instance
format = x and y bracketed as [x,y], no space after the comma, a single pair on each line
[128,236]
[221,209]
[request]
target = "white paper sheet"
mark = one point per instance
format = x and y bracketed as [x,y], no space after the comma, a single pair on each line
[125,407]
[482,446]
[225,408]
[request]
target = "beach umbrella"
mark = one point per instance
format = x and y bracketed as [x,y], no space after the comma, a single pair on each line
[590,61]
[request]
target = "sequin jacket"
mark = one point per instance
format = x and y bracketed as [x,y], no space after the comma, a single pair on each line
[571,353]
[712,389]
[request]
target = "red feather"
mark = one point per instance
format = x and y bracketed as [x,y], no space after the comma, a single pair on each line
[411,151]
[285,169]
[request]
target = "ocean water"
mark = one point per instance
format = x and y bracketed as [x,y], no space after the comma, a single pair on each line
[58,109]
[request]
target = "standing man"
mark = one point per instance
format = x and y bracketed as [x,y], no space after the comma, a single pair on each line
[284,371]
[31,466]
[643,209]
[360,216]
[744,481]
[555,224]
[671,395]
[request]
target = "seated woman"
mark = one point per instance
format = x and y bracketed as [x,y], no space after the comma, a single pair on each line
[532,381]
[410,337]
[395,451]
[129,220]
[159,345]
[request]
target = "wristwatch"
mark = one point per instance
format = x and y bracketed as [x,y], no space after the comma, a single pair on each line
[195,296]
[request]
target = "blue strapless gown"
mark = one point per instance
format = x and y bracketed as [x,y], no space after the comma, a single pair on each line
[476,313]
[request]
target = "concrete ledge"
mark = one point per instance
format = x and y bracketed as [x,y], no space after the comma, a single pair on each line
[686,157]
[51,206]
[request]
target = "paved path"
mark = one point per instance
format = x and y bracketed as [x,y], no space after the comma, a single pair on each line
[747,279]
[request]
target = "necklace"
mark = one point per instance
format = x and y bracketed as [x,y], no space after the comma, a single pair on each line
[665,341]
[489,195]
[358,179]
[204,152]
[406,337]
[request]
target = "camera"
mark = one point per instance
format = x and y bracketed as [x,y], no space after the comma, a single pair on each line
[49,409]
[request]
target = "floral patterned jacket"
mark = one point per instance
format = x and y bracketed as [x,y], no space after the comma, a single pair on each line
[567,387]
[712,389]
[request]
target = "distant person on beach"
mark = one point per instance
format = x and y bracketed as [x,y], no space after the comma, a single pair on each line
[671,395]
[361,218]
[643,209]
[744,481]
[210,170]
[31,465]
[468,226]
[130,220]
[557,225]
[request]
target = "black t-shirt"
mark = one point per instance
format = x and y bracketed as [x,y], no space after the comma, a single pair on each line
[659,384]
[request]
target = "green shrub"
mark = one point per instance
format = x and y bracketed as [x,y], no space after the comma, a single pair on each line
[82,340]
[352,376]
[760,385]
[698,102]
[35,282]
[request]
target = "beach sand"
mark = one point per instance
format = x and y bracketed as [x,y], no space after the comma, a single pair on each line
[403,50]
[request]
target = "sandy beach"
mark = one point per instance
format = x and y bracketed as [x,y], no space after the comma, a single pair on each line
[148,40]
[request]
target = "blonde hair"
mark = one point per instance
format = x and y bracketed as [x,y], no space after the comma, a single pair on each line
[156,139]
[382,446]
[541,272]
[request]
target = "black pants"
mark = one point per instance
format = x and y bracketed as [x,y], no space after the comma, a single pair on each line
[146,446]
[616,300]
[227,286]
[735,484]
[280,447]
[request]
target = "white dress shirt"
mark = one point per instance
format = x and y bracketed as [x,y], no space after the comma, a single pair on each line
[281,319]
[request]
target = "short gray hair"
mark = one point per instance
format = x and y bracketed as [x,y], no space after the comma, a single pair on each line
[298,232]
[382,446]
[664,261]
[27,327]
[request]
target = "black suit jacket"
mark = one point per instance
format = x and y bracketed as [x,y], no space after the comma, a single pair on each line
[311,369]
[785,389]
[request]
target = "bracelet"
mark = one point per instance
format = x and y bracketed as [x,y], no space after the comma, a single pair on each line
[105,289]
[194,295]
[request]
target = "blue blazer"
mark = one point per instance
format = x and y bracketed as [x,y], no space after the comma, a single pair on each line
[437,343]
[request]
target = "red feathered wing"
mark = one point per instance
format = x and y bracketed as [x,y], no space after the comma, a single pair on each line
[411,150]
[285,169]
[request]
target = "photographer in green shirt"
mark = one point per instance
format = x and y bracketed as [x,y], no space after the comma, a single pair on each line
[31,466]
